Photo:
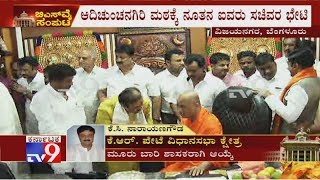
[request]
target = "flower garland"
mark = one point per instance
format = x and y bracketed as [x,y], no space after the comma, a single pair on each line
[70,34]
[278,44]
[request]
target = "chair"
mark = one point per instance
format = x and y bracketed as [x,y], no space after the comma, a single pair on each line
[242,112]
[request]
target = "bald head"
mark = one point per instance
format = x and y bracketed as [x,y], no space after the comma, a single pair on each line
[189,104]
[189,97]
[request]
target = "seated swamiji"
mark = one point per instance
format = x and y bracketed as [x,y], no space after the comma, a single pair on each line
[202,122]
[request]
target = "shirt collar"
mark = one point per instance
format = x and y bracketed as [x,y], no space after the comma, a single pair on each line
[94,70]
[36,78]
[241,73]
[56,93]
[133,70]
[85,149]
[208,77]
[183,71]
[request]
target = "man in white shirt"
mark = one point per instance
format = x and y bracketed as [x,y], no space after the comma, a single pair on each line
[30,83]
[273,79]
[128,74]
[289,45]
[299,102]
[57,108]
[205,84]
[248,70]
[167,80]
[9,121]
[86,150]
[88,81]
[220,64]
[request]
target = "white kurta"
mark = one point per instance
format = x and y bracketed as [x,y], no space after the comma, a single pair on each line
[254,81]
[56,115]
[35,85]
[166,82]
[86,87]
[277,84]
[9,120]
[139,77]
[297,99]
[207,89]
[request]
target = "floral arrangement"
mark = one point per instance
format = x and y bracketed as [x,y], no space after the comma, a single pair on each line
[70,34]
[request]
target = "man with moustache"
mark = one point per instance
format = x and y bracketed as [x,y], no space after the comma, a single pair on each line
[129,74]
[289,45]
[88,81]
[31,82]
[248,68]
[299,101]
[198,80]
[167,80]
[220,68]
[18,98]
[273,78]
[57,108]
[86,150]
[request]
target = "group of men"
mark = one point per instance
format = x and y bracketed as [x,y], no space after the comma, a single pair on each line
[184,92]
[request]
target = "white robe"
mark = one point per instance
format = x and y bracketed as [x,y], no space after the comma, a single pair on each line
[9,120]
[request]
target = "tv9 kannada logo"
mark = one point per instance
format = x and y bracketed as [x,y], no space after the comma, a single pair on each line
[43,149]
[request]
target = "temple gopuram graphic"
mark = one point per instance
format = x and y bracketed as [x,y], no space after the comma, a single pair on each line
[24,20]
[301,148]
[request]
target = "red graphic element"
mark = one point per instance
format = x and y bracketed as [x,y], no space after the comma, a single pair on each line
[44,16]
[15,148]
[52,152]
[265,32]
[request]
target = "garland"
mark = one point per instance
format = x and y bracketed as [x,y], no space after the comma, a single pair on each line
[70,34]
[278,44]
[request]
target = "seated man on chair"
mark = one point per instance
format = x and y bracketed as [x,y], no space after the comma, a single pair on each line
[127,108]
[202,122]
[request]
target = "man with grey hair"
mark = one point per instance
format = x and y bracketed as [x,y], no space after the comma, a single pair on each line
[88,81]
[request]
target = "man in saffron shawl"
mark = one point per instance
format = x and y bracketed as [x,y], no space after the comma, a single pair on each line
[299,101]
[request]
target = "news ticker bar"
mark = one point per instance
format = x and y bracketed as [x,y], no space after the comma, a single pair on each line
[75,15]
[162,148]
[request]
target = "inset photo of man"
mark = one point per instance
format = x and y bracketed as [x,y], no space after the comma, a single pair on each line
[86,143]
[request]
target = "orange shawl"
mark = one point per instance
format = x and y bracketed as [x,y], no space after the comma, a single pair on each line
[305,73]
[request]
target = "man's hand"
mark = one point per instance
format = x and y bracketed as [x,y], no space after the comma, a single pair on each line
[262,92]
[196,171]
[18,88]
[199,170]
[156,108]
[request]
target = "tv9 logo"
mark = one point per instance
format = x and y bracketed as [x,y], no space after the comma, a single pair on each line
[43,152]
